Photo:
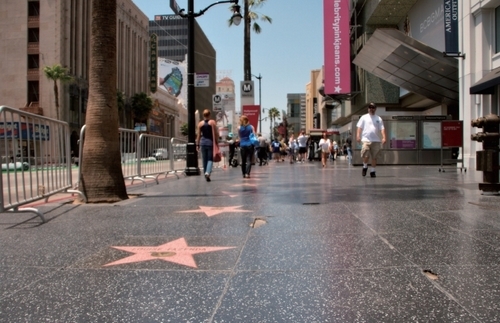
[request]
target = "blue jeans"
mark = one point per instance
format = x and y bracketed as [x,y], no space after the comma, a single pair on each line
[207,156]
[246,159]
[349,154]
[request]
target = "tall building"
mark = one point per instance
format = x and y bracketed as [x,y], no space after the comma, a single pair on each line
[226,115]
[296,106]
[172,32]
[35,34]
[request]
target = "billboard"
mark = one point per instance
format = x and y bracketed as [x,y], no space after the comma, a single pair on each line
[172,77]
[337,46]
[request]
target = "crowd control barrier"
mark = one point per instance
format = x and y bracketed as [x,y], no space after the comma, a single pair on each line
[145,156]
[36,159]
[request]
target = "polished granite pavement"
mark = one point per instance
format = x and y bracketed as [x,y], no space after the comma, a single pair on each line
[293,243]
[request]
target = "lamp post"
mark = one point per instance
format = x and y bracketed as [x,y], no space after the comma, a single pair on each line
[260,104]
[192,155]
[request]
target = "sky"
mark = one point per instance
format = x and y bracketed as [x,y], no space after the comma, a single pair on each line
[284,53]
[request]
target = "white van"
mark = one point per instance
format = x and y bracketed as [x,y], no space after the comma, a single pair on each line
[160,153]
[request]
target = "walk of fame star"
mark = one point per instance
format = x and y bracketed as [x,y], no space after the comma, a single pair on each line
[176,251]
[214,210]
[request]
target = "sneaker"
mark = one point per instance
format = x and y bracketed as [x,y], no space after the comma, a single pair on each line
[372,174]
[364,171]
[207,177]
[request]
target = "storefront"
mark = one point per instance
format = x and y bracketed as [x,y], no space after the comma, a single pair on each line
[411,140]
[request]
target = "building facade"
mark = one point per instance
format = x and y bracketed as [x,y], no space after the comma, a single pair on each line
[296,106]
[225,113]
[397,62]
[479,71]
[172,32]
[37,33]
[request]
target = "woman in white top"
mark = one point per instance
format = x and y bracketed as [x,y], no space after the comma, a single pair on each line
[325,146]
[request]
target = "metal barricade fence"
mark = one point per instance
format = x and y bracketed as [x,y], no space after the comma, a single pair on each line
[154,153]
[145,156]
[179,154]
[36,159]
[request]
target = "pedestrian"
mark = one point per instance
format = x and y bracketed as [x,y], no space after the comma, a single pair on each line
[275,148]
[302,140]
[292,147]
[325,146]
[232,148]
[283,149]
[263,148]
[207,137]
[246,147]
[335,149]
[348,144]
[371,134]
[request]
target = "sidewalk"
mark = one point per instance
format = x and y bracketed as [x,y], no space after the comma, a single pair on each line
[293,243]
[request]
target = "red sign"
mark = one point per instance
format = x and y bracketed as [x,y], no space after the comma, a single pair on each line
[253,114]
[337,46]
[451,133]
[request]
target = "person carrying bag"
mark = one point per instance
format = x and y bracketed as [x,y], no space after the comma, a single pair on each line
[246,145]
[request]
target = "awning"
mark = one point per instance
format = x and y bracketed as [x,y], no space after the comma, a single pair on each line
[487,84]
[411,65]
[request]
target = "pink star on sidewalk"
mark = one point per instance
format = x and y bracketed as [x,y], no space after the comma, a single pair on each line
[176,251]
[214,210]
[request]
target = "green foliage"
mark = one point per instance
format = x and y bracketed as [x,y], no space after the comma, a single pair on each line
[184,129]
[120,100]
[57,73]
[274,113]
[142,104]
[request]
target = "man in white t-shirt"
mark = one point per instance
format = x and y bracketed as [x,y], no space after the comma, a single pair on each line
[302,141]
[371,133]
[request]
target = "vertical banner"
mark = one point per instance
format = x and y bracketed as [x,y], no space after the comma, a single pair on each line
[451,26]
[337,46]
[253,114]
[153,61]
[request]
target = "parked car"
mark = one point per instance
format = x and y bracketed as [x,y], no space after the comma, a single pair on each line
[160,153]
[179,151]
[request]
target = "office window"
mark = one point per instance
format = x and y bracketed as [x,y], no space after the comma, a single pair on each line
[33,91]
[34,8]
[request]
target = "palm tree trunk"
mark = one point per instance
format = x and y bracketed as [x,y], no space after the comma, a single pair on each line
[102,177]
[247,73]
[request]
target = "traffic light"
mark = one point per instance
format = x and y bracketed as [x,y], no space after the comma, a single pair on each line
[487,159]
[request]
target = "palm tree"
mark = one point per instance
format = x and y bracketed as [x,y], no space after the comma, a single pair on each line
[142,104]
[274,114]
[250,16]
[102,177]
[57,73]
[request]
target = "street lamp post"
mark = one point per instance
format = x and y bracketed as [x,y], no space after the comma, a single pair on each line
[192,155]
[260,100]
